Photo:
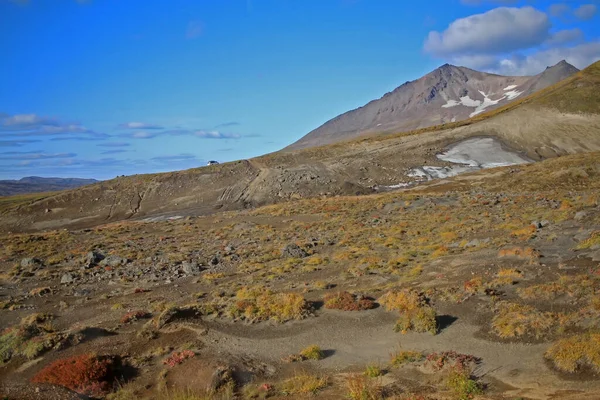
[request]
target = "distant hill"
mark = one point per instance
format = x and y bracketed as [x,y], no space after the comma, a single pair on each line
[445,95]
[558,120]
[36,184]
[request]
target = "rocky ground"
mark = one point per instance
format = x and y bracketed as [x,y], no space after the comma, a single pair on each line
[482,285]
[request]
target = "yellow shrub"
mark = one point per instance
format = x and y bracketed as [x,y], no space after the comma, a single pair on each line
[572,353]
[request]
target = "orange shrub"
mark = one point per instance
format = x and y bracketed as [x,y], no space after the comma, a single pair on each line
[86,374]
[347,302]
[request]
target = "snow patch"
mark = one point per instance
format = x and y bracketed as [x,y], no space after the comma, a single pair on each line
[513,94]
[469,102]
[487,102]
[511,87]
[451,103]
[468,156]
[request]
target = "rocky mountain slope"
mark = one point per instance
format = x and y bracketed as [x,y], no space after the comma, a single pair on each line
[559,120]
[448,94]
[36,184]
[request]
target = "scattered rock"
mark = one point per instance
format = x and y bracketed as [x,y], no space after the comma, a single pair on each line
[540,224]
[93,258]
[293,251]
[580,215]
[477,242]
[67,278]
[31,262]
[190,267]
[113,261]
[215,260]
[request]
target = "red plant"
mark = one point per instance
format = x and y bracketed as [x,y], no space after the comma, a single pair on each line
[86,374]
[178,357]
[140,290]
[347,302]
[439,360]
[134,316]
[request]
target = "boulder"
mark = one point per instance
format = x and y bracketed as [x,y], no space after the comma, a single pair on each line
[67,278]
[93,258]
[31,262]
[293,251]
[190,267]
[113,261]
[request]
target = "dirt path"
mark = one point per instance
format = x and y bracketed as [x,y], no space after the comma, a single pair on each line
[357,339]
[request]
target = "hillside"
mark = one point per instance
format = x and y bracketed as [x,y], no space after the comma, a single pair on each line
[448,94]
[36,184]
[487,279]
[559,120]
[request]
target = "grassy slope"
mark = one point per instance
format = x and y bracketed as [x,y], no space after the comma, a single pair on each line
[578,93]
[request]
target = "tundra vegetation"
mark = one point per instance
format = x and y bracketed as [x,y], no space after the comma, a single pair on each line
[425,294]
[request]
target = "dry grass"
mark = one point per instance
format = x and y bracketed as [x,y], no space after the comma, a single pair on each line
[302,384]
[415,312]
[402,357]
[361,387]
[576,352]
[312,352]
[516,320]
[33,336]
[592,241]
[347,302]
[260,304]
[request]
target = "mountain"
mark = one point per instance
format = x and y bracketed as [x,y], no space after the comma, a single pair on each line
[559,120]
[448,94]
[36,184]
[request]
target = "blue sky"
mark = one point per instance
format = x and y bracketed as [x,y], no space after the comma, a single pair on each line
[100,88]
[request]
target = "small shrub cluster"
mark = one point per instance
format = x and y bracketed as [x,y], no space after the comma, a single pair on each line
[592,241]
[507,276]
[303,384]
[576,352]
[259,304]
[577,287]
[346,301]
[134,316]
[177,358]
[30,338]
[462,384]
[516,320]
[373,371]
[361,387]
[86,374]
[312,352]
[405,356]
[415,312]
[438,361]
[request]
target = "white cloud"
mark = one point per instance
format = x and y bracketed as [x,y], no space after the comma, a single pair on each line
[216,135]
[586,11]
[32,155]
[558,10]
[36,125]
[580,56]
[565,36]
[139,125]
[499,30]
[476,61]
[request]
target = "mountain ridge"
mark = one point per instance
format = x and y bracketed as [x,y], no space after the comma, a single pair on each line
[37,184]
[447,94]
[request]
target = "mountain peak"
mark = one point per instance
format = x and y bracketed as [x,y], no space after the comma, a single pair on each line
[562,64]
